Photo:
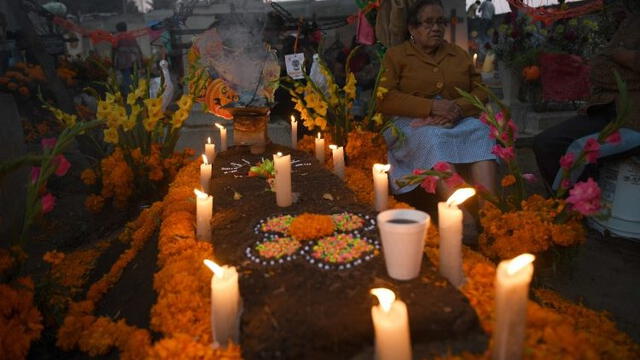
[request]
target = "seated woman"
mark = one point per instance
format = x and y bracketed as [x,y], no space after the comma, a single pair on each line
[422,75]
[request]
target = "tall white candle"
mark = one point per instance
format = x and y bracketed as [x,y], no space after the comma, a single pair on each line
[282,164]
[512,294]
[225,303]
[210,150]
[450,229]
[391,326]
[320,148]
[205,174]
[337,154]
[294,132]
[223,137]
[204,209]
[381,185]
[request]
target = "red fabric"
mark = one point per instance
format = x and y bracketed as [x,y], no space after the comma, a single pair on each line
[364,31]
[564,77]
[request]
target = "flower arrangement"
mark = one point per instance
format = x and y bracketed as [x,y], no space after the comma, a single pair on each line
[513,222]
[20,320]
[23,79]
[311,226]
[323,105]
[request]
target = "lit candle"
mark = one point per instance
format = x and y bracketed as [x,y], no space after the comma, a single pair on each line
[512,294]
[223,137]
[475,60]
[391,326]
[225,303]
[320,149]
[205,174]
[294,132]
[381,185]
[210,150]
[204,208]
[282,164]
[450,229]
[337,154]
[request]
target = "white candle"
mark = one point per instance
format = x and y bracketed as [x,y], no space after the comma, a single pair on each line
[223,137]
[512,294]
[337,154]
[225,303]
[475,60]
[381,185]
[204,209]
[294,132]
[391,326]
[282,164]
[320,149]
[205,174]
[450,229]
[210,150]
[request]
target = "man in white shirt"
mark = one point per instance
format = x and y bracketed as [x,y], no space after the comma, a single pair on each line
[487,10]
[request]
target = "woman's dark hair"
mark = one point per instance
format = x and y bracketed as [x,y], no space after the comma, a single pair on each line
[121,26]
[417,7]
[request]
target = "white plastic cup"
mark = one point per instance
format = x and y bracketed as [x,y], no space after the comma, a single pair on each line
[403,243]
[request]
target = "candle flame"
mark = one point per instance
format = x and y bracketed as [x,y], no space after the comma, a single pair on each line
[519,262]
[200,194]
[475,56]
[381,168]
[209,140]
[220,126]
[333,147]
[217,269]
[460,196]
[293,120]
[204,159]
[319,137]
[385,296]
[278,154]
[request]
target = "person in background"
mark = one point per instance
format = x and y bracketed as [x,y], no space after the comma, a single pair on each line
[422,75]
[621,54]
[487,12]
[473,9]
[127,56]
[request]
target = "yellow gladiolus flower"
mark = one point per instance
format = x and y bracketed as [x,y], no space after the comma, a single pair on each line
[380,92]
[130,122]
[111,136]
[110,98]
[350,87]
[321,122]
[179,117]
[299,90]
[321,108]
[154,105]
[150,122]
[131,98]
[104,109]
[185,102]
[70,119]
[377,119]
[312,99]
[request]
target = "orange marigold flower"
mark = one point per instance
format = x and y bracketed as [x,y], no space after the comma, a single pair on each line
[508,180]
[94,203]
[310,226]
[88,176]
[53,257]
[6,261]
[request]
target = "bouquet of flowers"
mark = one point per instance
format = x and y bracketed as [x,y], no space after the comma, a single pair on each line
[514,222]
[324,105]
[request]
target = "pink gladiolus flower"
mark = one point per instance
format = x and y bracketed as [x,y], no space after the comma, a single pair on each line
[418,171]
[48,203]
[500,118]
[585,197]
[35,174]
[48,143]
[480,188]
[484,118]
[566,160]
[614,138]
[454,180]
[505,153]
[62,165]
[493,132]
[442,166]
[592,150]
[565,183]
[429,184]
[530,178]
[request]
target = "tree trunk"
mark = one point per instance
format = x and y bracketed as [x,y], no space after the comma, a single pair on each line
[37,49]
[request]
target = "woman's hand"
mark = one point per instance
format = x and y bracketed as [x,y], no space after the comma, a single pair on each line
[431,120]
[446,109]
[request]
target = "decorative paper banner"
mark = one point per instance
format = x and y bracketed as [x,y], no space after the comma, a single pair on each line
[550,15]
[97,36]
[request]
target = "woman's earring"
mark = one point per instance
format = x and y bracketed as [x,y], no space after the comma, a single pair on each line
[411,37]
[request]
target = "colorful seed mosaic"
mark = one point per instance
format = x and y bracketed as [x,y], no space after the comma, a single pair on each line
[341,251]
[279,224]
[273,250]
[346,221]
